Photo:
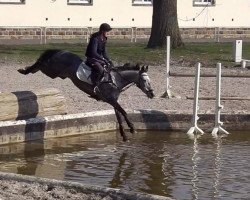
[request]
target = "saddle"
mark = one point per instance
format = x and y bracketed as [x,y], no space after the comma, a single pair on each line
[84,73]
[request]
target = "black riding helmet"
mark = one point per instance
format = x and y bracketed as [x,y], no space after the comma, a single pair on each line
[105,27]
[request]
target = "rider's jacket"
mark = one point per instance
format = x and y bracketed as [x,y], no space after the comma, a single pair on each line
[96,47]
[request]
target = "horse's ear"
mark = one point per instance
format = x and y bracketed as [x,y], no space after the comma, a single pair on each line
[137,66]
[142,69]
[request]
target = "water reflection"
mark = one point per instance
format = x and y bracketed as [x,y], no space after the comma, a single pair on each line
[168,169]
[218,164]
[154,175]
[122,172]
[158,163]
[30,154]
[195,160]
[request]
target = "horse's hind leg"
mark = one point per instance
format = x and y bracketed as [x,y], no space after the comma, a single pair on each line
[121,129]
[30,69]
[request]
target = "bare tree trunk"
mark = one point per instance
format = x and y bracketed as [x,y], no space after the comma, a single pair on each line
[165,22]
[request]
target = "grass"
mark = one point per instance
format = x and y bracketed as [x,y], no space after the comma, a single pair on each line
[206,53]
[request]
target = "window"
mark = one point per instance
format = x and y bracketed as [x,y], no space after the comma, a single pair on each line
[12,1]
[142,2]
[204,2]
[79,2]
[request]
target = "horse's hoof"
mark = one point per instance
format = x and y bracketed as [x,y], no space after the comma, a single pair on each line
[125,139]
[133,131]
[22,71]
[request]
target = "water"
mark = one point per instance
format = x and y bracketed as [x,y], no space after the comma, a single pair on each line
[169,164]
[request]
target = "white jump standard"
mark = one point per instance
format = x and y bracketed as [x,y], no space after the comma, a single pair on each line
[218,106]
[167,94]
[195,127]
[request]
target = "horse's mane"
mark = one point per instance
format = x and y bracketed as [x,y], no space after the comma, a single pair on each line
[128,66]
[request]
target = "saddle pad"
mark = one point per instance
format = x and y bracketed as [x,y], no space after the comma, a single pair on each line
[83,73]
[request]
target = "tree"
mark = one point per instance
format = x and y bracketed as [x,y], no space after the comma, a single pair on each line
[165,22]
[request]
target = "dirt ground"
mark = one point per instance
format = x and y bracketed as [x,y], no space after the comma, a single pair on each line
[133,98]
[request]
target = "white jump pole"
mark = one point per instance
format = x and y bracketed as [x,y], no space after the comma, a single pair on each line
[218,106]
[168,93]
[195,118]
[168,62]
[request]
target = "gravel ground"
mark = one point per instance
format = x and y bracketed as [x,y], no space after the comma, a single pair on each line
[14,190]
[133,98]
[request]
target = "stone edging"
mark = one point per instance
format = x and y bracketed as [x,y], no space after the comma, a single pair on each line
[100,121]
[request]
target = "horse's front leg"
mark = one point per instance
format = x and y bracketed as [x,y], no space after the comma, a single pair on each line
[119,119]
[117,107]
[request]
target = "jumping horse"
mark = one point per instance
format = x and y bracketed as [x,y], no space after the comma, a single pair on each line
[59,63]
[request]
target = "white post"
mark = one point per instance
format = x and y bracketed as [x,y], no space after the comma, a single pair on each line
[45,35]
[135,34]
[132,34]
[195,127]
[237,51]
[243,63]
[167,93]
[218,106]
[168,61]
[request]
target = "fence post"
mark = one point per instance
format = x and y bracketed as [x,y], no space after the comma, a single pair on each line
[237,51]
[218,106]
[167,93]
[195,118]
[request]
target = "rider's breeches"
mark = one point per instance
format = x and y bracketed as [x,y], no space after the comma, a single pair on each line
[98,70]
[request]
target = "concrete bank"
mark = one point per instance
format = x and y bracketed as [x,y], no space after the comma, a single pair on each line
[107,193]
[100,121]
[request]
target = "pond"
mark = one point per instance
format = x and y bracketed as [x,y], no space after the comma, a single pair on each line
[163,163]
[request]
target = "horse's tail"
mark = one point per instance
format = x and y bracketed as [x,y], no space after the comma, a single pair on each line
[40,63]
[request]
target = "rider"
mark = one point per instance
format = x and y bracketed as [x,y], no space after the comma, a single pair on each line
[96,52]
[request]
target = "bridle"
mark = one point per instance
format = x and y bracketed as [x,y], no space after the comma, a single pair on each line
[139,84]
[143,74]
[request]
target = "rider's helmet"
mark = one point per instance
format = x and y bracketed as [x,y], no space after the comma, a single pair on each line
[105,27]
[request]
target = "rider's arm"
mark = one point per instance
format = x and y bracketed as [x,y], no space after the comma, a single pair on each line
[105,54]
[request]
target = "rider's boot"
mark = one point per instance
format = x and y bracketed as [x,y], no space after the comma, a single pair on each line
[98,82]
[96,88]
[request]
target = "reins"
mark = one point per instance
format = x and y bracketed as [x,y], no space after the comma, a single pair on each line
[125,79]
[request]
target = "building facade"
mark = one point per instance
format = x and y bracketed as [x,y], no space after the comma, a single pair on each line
[67,19]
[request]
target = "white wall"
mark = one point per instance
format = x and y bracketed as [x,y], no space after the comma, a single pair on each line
[34,13]
[222,13]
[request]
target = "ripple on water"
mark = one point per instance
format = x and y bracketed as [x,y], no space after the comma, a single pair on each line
[154,162]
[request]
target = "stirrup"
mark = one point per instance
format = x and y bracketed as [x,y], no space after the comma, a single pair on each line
[96,89]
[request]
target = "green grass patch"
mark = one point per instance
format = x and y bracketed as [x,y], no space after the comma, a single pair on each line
[207,53]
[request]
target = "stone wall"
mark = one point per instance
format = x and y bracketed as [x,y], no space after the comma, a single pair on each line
[118,33]
[20,33]
[105,121]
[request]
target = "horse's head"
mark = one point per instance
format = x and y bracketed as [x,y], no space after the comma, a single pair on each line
[144,82]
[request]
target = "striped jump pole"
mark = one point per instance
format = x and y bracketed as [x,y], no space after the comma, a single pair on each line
[218,106]
[195,118]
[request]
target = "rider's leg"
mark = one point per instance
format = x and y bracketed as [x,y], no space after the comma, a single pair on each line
[98,70]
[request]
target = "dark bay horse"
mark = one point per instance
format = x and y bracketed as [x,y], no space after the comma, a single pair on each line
[59,63]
